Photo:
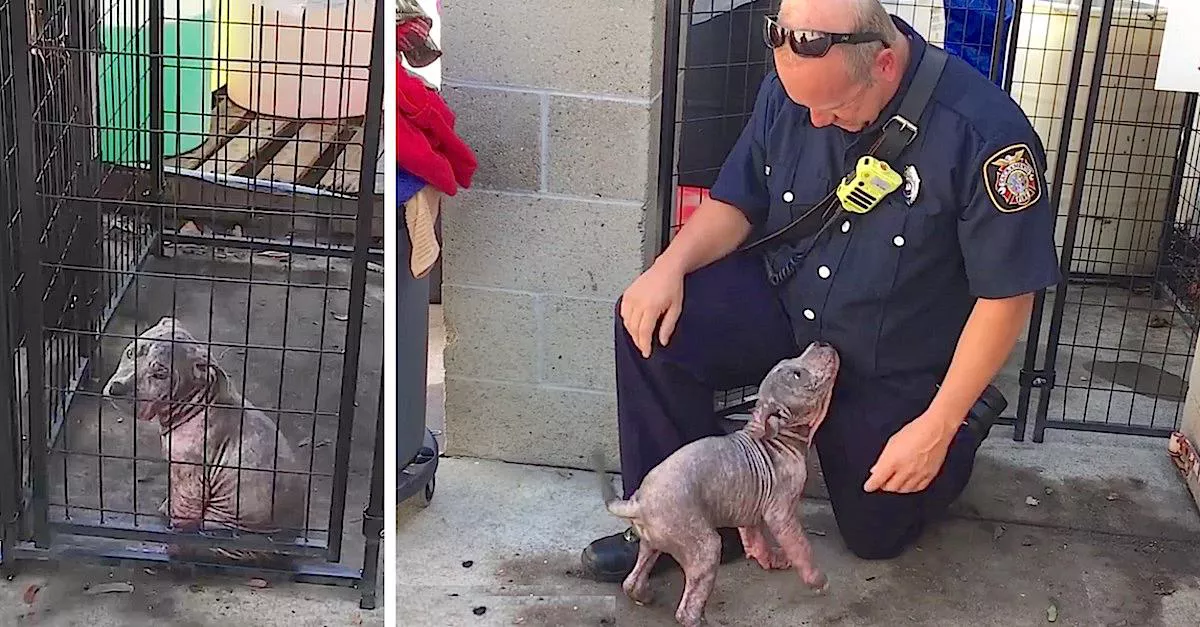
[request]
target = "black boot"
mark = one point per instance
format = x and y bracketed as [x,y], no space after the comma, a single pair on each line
[985,412]
[611,558]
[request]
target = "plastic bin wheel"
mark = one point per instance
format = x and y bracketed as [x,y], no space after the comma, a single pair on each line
[427,494]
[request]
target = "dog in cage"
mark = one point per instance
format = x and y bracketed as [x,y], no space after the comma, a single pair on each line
[225,455]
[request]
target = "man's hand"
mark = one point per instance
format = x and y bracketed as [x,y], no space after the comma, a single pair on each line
[912,457]
[915,454]
[713,231]
[657,293]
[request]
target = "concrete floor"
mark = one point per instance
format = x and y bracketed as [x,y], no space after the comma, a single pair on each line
[1109,543]
[1112,539]
[67,596]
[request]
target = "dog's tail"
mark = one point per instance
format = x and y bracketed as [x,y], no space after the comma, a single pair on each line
[614,504]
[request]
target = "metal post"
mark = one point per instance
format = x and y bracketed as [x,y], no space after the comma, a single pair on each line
[31,266]
[666,131]
[1089,117]
[1010,52]
[373,514]
[997,66]
[358,278]
[1177,173]
[157,173]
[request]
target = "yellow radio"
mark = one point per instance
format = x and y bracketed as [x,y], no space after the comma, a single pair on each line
[872,181]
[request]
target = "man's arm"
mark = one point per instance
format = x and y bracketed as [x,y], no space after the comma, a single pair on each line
[984,346]
[737,201]
[714,230]
[1007,241]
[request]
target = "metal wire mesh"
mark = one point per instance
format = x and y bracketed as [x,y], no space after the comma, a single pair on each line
[212,162]
[1115,340]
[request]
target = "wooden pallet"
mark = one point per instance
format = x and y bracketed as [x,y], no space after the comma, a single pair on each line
[320,154]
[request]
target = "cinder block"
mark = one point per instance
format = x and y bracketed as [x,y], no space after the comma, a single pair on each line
[503,128]
[600,148]
[539,244]
[529,424]
[490,334]
[574,45]
[578,339]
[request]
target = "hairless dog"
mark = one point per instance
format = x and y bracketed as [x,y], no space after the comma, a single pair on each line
[223,452]
[751,479]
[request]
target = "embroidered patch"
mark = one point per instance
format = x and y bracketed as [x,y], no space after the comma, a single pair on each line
[912,184]
[1012,178]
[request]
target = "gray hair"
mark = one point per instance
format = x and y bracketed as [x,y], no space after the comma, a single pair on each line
[869,16]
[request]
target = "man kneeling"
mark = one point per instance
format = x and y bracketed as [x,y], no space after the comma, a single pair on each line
[924,295]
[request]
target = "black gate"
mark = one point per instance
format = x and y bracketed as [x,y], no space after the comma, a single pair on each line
[1110,349]
[136,192]
[1120,334]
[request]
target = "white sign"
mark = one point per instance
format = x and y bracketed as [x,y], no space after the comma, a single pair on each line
[1179,59]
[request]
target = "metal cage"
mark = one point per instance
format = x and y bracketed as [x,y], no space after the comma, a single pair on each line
[149,174]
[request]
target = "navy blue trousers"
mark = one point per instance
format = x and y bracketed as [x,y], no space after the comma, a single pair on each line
[733,328]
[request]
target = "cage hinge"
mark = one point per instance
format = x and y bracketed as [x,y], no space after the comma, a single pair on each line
[372,525]
[1037,378]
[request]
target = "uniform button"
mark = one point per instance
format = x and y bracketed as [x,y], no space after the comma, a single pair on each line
[824,272]
[846,226]
[767,170]
[810,314]
[898,240]
[787,197]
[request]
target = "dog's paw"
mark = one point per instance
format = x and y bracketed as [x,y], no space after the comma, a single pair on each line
[687,620]
[819,584]
[773,560]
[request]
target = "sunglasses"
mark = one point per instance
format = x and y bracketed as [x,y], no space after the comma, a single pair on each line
[812,43]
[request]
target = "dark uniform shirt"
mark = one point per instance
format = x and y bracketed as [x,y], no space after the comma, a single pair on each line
[893,288]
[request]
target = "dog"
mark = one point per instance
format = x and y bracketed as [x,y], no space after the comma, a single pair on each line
[752,479]
[221,449]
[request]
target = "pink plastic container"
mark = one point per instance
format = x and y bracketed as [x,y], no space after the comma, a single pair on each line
[300,59]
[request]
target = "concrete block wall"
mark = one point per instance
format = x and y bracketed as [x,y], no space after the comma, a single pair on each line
[560,101]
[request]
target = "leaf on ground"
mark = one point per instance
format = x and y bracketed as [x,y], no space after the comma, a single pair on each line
[1032,502]
[1052,612]
[111,587]
[340,317]
[258,583]
[998,532]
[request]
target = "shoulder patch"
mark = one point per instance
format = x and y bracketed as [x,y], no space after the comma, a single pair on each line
[1012,179]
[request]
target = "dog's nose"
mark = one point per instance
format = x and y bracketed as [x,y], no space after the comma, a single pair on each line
[116,388]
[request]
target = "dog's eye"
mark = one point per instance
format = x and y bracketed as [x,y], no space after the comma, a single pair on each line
[129,351]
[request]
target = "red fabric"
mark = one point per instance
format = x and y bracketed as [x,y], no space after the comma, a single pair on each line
[412,41]
[426,144]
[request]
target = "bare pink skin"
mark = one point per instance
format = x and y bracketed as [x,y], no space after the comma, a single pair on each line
[222,450]
[752,479]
